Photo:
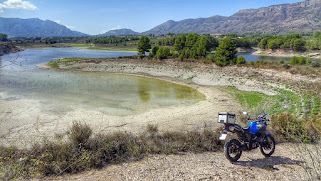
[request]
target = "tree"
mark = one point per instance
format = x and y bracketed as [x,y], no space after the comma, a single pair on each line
[298,45]
[191,39]
[263,43]
[180,43]
[213,42]
[3,37]
[143,45]
[226,52]
[273,44]
[163,53]
[154,50]
[317,34]
[204,45]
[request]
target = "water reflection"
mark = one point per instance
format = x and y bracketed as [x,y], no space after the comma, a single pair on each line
[110,93]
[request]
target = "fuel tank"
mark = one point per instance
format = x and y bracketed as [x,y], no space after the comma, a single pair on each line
[257,127]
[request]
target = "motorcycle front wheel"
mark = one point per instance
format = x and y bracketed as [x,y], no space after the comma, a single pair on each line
[267,147]
[232,150]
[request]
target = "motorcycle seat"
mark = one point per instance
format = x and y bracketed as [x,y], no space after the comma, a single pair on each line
[246,129]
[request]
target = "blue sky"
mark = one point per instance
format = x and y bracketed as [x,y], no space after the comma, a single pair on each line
[98,16]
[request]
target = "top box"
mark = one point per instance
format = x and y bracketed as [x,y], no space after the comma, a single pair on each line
[226,118]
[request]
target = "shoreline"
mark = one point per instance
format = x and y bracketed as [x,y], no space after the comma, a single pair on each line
[27,127]
[75,47]
[208,79]
[286,53]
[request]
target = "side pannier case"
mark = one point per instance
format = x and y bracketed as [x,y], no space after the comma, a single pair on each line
[226,118]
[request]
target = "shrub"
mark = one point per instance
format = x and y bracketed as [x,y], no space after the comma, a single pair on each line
[294,60]
[316,64]
[154,50]
[79,134]
[282,61]
[299,60]
[163,53]
[241,60]
[181,57]
[211,57]
[286,66]
[302,60]
[58,157]
[296,130]
[251,63]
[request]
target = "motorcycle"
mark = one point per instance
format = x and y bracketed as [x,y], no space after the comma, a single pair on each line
[254,135]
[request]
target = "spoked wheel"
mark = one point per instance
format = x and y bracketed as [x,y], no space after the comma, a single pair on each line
[267,147]
[232,150]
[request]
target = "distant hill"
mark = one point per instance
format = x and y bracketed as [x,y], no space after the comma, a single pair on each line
[119,32]
[284,18]
[16,27]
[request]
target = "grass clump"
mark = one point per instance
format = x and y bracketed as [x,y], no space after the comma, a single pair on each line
[83,150]
[296,130]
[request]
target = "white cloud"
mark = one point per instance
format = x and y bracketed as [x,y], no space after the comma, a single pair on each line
[17,4]
[57,21]
[116,28]
[103,31]
[68,26]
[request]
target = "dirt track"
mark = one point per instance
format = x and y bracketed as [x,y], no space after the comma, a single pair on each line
[207,166]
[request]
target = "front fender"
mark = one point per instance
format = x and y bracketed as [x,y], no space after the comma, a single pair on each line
[267,134]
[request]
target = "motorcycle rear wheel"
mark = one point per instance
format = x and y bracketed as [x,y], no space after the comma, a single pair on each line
[232,150]
[267,147]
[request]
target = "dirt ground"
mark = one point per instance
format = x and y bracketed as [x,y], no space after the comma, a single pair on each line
[283,165]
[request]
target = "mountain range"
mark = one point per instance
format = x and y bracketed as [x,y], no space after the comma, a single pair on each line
[34,27]
[285,18]
[303,16]
[119,32]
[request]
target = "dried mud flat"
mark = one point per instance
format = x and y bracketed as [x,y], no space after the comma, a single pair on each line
[283,165]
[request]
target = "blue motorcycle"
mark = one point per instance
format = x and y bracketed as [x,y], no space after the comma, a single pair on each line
[254,135]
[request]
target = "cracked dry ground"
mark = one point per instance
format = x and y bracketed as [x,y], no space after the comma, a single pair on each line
[283,165]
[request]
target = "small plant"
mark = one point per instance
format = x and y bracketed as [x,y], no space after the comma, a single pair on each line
[315,64]
[241,60]
[282,61]
[79,134]
[286,66]
[84,150]
[251,63]
[211,57]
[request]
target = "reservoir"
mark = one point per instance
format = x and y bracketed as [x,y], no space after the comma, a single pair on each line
[59,91]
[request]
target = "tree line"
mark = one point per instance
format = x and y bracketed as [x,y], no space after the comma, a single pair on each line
[111,39]
[293,42]
[194,46]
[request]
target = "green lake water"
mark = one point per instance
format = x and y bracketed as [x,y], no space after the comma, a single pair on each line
[60,91]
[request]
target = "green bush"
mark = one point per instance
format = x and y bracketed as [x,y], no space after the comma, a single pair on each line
[154,50]
[211,57]
[292,129]
[315,64]
[299,61]
[294,60]
[241,60]
[163,53]
[251,63]
[286,66]
[282,61]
